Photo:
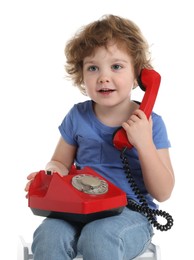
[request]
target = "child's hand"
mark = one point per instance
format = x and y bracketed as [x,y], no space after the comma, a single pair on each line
[138,129]
[30,177]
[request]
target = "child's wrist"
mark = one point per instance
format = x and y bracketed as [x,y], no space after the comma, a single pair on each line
[53,166]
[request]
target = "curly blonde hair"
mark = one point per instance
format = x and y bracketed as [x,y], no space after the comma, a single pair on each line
[109,28]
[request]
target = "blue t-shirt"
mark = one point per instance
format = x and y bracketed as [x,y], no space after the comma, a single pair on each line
[95,148]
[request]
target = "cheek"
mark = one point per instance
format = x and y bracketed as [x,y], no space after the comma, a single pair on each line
[90,83]
[125,83]
[88,80]
[88,88]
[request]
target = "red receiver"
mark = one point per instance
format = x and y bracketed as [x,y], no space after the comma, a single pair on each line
[149,81]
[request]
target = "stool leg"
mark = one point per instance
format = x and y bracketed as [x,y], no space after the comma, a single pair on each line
[27,255]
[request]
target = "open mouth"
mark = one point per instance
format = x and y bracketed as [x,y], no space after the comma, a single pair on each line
[106,91]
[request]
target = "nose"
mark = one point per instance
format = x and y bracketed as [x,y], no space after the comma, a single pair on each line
[103,79]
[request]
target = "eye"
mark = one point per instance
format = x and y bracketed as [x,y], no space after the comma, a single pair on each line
[92,68]
[116,67]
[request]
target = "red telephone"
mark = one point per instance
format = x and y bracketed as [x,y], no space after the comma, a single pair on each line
[149,81]
[84,195]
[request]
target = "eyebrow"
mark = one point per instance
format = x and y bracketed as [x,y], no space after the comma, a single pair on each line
[113,61]
[88,62]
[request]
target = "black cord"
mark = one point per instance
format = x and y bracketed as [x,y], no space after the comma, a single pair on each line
[143,206]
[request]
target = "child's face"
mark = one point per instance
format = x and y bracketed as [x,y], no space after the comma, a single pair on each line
[108,75]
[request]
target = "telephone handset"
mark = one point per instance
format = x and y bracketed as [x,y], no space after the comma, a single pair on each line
[149,81]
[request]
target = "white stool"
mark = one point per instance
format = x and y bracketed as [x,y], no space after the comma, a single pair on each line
[152,253]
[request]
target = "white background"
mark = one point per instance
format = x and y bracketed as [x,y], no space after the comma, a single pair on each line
[35,97]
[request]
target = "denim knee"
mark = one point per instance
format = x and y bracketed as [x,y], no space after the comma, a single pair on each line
[55,239]
[120,237]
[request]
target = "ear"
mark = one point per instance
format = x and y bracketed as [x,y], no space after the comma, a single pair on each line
[135,84]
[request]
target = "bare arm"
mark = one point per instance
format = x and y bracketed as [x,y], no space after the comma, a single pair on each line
[60,162]
[157,172]
[156,164]
[62,158]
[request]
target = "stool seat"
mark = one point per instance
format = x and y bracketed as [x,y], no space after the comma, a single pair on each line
[152,252]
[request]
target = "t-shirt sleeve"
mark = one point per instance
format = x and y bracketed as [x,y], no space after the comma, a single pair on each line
[66,128]
[160,135]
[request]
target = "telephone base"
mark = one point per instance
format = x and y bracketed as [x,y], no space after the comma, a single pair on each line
[55,196]
[83,218]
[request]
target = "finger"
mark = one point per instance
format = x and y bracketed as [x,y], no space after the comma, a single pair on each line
[133,118]
[140,113]
[31,175]
[151,121]
[27,186]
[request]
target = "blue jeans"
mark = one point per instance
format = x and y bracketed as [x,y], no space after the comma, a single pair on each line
[121,237]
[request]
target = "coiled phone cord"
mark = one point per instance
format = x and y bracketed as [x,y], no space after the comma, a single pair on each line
[143,208]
